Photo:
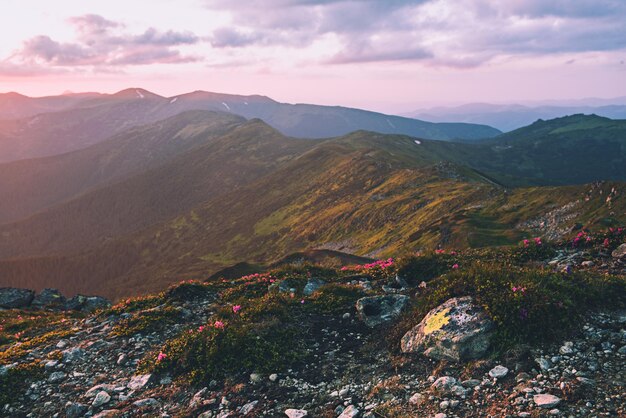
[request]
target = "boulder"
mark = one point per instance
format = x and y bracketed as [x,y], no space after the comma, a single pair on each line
[619,252]
[87,303]
[376,310]
[11,297]
[49,299]
[457,330]
[139,382]
[76,410]
[313,285]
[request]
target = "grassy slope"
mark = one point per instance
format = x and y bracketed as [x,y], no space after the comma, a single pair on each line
[205,172]
[365,193]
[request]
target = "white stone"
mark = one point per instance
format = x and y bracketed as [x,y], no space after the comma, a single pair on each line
[296,413]
[498,372]
[546,401]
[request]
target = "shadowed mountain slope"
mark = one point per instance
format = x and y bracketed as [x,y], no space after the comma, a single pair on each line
[30,186]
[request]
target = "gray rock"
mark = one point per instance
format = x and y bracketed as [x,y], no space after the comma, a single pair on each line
[286,286]
[107,413]
[444,385]
[544,400]
[544,363]
[51,364]
[138,382]
[87,303]
[313,285]
[146,403]
[296,413]
[376,310]
[417,399]
[11,298]
[350,412]
[457,330]
[567,348]
[619,252]
[73,354]
[122,359]
[49,299]
[470,383]
[100,399]
[76,410]
[247,408]
[99,388]
[56,377]
[498,372]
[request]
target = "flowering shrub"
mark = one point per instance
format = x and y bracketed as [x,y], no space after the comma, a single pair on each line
[533,250]
[266,337]
[379,269]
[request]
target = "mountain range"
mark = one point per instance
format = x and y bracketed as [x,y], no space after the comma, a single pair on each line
[187,195]
[73,122]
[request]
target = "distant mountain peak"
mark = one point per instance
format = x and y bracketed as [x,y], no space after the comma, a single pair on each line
[136,93]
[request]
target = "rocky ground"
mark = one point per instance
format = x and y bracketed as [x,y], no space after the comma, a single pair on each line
[90,368]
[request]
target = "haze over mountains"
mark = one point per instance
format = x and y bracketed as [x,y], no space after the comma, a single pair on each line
[144,198]
[508,117]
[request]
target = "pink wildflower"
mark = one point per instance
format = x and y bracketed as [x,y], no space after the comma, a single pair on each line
[456,266]
[162,356]
[236,308]
[218,325]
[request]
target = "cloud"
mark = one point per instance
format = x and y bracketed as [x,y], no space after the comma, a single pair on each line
[100,44]
[457,33]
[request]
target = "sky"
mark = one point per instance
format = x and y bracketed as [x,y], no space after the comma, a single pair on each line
[385,55]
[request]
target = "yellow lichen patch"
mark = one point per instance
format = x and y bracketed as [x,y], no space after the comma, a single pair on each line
[437,321]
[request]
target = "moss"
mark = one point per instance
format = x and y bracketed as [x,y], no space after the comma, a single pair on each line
[20,350]
[18,379]
[437,321]
[147,321]
[135,304]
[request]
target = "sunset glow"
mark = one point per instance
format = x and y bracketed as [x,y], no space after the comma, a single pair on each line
[388,56]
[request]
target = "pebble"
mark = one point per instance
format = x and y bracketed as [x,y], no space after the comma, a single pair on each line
[498,372]
[296,413]
[545,400]
[101,398]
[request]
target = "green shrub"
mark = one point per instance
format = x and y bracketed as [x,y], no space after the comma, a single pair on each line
[147,321]
[415,269]
[334,298]
[534,249]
